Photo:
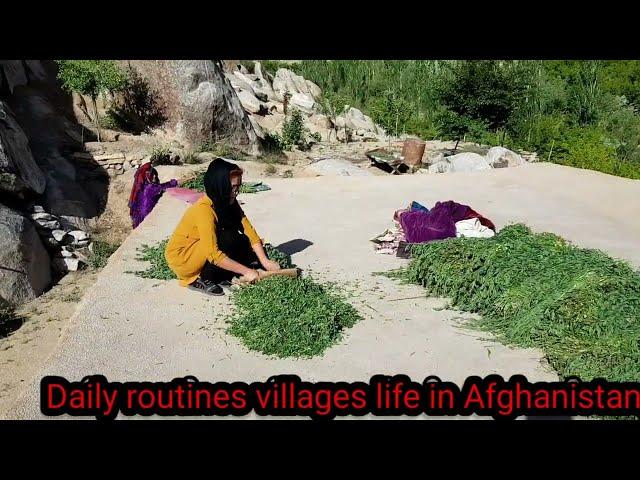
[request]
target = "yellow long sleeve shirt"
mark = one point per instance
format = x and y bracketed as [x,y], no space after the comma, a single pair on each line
[194,241]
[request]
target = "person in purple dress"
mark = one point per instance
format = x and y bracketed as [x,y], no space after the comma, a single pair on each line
[146,192]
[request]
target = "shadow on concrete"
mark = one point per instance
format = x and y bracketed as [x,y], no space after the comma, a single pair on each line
[294,246]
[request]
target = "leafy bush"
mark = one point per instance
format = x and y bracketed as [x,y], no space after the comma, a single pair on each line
[190,158]
[160,155]
[293,129]
[100,253]
[391,112]
[588,148]
[91,78]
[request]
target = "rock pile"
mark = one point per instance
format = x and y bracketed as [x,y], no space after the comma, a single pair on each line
[67,245]
[496,157]
[265,98]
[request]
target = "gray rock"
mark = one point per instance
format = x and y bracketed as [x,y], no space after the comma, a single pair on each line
[287,81]
[468,162]
[24,263]
[66,264]
[200,100]
[320,121]
[500,157]
[48,224]
[59,235]
[42,216]
[237,83]
[19,173]
[314,90]
[50,243]
[263,97]
[14,73]
[37,209]
[249,101]
[304,102]
[35,70]
[431,158]
[462,162]
[78,235]
[356,120]
[441,166]
[257,70]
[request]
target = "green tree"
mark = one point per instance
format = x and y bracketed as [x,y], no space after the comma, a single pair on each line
[91,78]
[333,104]
[392,112]
[482,91]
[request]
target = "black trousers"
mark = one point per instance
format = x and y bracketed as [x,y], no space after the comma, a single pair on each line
[236,246]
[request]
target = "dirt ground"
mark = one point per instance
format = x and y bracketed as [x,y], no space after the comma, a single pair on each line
[23,352]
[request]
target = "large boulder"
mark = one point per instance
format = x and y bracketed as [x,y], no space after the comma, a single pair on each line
[14,72]
[462,162]
[19,173]
[200,102]
[249,101]
[45,115]
[237,83]
[320,121]
[263,83]
[500,157]
[287,81]
[356,120]
[303,102]
[336,167]
[24,263]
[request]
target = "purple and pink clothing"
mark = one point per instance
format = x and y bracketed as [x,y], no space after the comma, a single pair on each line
[145,194]
[439,222]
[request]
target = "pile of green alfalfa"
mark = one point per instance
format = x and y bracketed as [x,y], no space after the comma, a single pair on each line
[581,307]
[281,316]
[290,317]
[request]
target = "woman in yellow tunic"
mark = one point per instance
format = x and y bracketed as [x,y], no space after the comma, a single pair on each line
[215,240]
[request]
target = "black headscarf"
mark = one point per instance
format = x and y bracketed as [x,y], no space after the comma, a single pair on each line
[217,185]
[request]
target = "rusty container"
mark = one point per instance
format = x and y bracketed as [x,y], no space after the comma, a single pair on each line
[412,151]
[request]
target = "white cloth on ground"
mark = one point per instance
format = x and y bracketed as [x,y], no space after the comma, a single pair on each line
[473,228]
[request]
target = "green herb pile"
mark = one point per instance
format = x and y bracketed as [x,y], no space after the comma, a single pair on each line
[159,268]
[581,307]
[289,317]
[283,259]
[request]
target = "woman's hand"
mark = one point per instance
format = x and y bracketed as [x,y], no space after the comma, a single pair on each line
[270,265]
[250,277]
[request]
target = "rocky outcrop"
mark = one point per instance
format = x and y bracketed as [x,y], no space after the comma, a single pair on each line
[24,263]
[500,157]
[19,173]
[263,98]
[199,102]
[38,133]
[462,162]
